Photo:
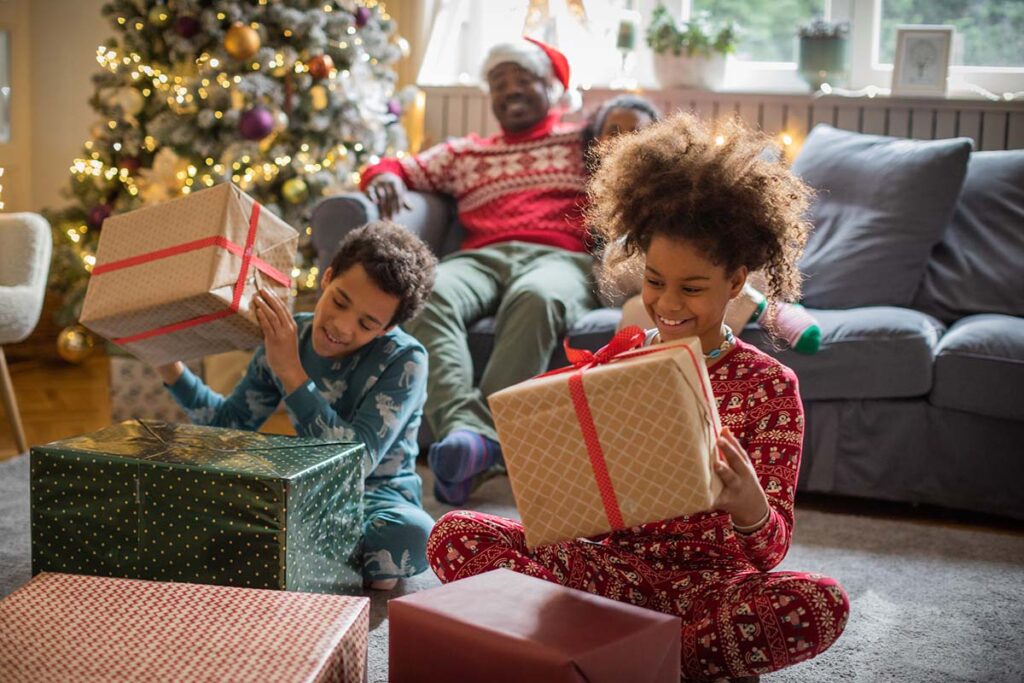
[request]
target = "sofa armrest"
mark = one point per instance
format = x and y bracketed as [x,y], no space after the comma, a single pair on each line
[432,217]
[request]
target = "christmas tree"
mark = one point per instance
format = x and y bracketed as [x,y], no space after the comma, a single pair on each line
[285,98]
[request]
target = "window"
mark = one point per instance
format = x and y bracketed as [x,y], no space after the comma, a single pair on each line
[988,51]
[988,32]
[767,27]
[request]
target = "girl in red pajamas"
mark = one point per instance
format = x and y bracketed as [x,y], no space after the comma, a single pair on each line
[702,207]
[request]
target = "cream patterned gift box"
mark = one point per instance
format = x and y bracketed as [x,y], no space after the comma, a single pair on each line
[626,438]
[138,393]
[88,629]
[175,281]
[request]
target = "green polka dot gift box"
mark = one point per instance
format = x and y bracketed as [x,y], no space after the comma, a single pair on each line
[170,502]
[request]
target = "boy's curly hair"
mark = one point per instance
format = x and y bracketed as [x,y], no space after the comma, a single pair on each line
[709,184]
[397,261]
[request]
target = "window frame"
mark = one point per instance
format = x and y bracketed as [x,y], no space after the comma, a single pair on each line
[863,16]
[865,20]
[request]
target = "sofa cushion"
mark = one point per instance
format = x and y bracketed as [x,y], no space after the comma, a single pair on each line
[980,367]
[595,329]
[874,352]
[882,204]
[979,265]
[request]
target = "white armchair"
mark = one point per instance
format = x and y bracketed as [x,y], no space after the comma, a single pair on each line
[25,249]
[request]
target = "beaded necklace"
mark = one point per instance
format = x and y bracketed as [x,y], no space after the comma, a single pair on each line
[727,343]
[723,348]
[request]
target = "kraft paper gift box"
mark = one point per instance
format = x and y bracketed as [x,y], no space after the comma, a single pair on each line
[89,629]
[175,281]
[626,438]
[504,627]
[170,502]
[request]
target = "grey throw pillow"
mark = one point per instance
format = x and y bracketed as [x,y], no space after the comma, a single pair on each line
[979,265]
[882,205]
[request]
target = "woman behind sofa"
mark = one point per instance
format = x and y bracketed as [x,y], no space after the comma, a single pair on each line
[702,216]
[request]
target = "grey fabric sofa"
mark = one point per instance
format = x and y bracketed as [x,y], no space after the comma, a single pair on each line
[917,392]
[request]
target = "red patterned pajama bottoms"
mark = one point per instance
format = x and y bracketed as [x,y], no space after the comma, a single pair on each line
[737,621]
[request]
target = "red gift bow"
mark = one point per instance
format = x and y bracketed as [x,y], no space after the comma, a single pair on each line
[627,339]
[247,259]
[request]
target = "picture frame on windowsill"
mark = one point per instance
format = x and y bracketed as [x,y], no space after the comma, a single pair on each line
[922,60]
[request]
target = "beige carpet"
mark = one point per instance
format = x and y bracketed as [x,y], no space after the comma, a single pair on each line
[930,602]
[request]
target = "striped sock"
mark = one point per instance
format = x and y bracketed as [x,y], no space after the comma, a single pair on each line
[462,454]
[798,327]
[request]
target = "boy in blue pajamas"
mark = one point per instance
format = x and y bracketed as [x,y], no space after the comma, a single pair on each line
[346,371]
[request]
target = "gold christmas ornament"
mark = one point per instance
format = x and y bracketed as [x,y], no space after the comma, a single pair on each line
[295,190]
[75,344]
[318,97]
[237,99]
[241,41]
[129,99]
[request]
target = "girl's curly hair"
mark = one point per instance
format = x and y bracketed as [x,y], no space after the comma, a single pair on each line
[717,186]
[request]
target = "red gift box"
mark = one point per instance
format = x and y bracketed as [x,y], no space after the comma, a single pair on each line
[64,627]
[502,626]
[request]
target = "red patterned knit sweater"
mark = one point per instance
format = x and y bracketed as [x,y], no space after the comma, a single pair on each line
[527,187]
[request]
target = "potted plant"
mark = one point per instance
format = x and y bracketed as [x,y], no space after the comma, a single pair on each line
[690,54]
[823,52]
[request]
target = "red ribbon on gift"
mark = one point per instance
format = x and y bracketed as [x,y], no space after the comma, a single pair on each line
[248,260]
[626,340]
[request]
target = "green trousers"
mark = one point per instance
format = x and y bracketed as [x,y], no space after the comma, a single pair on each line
[535,293]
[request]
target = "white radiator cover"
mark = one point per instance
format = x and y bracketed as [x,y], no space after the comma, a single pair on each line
[457,111]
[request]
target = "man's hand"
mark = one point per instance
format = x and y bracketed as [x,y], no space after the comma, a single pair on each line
[387,191]
[280,339]
[741,495]
[171,372]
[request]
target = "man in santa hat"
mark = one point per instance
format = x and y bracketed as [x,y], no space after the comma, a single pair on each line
[520,197]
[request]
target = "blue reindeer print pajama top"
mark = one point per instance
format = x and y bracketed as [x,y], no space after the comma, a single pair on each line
[375,396]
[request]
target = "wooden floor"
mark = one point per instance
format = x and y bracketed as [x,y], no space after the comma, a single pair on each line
[58,400]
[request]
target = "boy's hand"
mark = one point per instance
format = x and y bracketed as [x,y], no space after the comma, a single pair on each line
[741,495]
[171,372]
[280,339]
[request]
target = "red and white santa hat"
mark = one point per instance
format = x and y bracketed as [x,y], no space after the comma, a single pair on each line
[540,59]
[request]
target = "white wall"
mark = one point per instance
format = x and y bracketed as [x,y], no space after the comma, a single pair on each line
[53,55]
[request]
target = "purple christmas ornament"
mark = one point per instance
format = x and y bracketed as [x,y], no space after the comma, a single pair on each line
[186,26]
[97,215]
[394,107]
[362,16]
[256,124]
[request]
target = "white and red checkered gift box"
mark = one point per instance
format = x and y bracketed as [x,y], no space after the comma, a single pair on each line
[63,627]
